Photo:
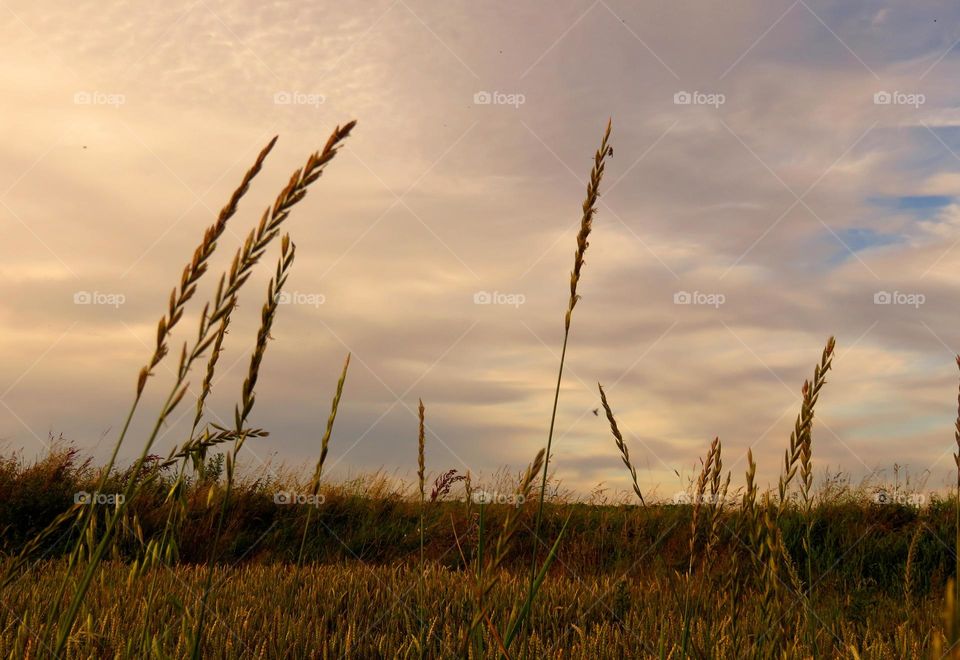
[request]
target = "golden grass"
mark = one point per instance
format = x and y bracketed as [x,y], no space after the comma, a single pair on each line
[586,225]
[621,445]
[357,610]
[93,543]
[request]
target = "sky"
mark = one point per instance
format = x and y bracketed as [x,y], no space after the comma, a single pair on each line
[789,170]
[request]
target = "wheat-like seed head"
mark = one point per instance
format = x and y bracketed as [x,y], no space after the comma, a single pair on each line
[325,441]
[718,498]
[207,385]
[443,483]
[196,448]
[586,221]
[956,433]
[193,271]
[750,494]
[621,445]
[800,452]
[269,227]
[710,476]
[249,255]
[704,477]
[267,316]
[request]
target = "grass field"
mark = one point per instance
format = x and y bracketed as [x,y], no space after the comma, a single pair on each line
[356,609]
[182,556]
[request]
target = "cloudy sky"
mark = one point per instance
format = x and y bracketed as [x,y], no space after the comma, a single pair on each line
[785,167]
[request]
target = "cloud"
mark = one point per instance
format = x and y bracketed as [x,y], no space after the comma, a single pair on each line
[797,199]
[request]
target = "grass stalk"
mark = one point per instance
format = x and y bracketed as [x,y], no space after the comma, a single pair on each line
[956,501]
[324,447]
[421,476]
[586,224]
[246,258]
[242,412]
[621,445]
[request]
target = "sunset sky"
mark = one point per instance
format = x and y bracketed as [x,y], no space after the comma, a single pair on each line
[814,173]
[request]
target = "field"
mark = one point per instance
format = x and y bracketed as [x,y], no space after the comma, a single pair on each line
[183,556]
[360,610]
[616,589]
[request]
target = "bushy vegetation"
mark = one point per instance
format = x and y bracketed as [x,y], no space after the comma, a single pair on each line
[857,540]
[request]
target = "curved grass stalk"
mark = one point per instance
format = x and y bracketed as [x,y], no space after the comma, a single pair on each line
[621,445]
[586,224]
[244,261]
[248,399]
[179,297]
[324,444]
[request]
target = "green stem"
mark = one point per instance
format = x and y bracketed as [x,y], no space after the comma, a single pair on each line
[546,466]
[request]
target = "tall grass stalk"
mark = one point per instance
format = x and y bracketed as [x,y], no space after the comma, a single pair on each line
[164,550]
[956,501]
[621,445]
[586,224]
[421,476]
[798,455]
[179,297]
[324,447]
[241,413]
[710,475]
[244,261]
[494,561]
[803,433]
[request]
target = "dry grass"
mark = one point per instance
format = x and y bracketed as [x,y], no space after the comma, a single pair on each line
[360,611]
[586,226]
[621,445]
